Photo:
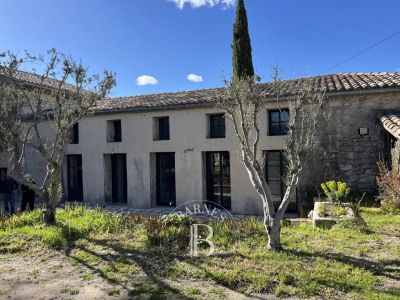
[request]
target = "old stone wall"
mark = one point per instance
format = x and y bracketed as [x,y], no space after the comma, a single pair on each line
[343,153]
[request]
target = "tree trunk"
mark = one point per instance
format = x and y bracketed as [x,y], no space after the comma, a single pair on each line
[49,216]
[274,236]
[49,210]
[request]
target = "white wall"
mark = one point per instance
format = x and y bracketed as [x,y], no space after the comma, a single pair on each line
[187,131]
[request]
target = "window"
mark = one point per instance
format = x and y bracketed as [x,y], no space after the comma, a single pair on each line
[165,179]
[114,131]
[275,171]
[217,126]
[75,134]
[218,178]
[278,122]
[3,173]
[3,176]
[74,173]
[161,128]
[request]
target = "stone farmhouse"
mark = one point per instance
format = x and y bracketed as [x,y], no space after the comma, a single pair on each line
[166,149]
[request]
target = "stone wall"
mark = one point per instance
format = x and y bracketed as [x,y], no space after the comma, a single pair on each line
[343,153]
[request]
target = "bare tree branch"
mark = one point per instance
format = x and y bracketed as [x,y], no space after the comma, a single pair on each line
[57,99]
[243,103]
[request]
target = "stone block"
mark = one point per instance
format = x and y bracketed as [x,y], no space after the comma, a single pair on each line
[346,167]
[328,222]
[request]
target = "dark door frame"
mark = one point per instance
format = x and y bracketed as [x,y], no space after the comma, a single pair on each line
[170,156]
[115,178]
[75,193]
[210,176]
[281,171]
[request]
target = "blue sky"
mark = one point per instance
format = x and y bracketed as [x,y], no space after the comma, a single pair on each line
[167,40]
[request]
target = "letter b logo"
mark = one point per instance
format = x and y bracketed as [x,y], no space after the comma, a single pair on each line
[194,240]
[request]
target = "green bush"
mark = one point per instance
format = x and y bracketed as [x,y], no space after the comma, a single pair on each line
[335,191]
[322,210]
[177,219]
[341,211]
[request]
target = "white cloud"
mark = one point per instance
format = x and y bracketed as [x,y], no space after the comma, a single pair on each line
[198,3]
[398,70]
[145,80]
[195,78]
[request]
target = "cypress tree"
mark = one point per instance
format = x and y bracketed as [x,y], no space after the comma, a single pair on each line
[242,61]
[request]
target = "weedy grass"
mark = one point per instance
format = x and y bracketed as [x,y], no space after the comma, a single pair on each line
[193,291]
[219,292]
[339,263]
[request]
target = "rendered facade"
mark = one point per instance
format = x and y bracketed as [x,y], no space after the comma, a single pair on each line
[167,149]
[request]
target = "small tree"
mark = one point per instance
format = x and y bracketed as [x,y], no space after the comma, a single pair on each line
[243,102]
[30,103]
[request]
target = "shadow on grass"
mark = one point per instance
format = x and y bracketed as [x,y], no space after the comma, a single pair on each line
[147,260]
[151,261]
[220,280]
[377,268]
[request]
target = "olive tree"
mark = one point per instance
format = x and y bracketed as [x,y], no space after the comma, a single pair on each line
[55,95]
[243,101]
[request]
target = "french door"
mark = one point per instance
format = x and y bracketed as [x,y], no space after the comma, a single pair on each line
[218,178]
[166,191]
[74,173]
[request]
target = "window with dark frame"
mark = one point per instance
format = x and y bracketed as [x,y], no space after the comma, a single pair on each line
[275,171]
[3,173]
[3,176]
[278,122]
[75,134]
[114,131]
[117,131]
[163,128]
[74,175]
[217,126]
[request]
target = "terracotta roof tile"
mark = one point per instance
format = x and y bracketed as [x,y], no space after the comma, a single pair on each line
[333,83]
[35,80]
[392,124]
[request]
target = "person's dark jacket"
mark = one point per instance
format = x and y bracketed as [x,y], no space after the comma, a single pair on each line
[9,185]
[27,193]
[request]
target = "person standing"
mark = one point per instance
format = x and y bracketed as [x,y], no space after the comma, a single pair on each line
[9,185]
[28,195]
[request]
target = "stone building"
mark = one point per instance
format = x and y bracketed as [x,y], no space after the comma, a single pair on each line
[166,149]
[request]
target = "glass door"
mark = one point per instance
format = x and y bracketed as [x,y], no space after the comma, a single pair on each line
[166,194]
[75,183]
[218,178]
[275,172]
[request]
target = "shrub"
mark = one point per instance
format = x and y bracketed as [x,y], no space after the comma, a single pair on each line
[335,191]
[177,219]
[389,183]
[322,210]
[341,211]
[358,224]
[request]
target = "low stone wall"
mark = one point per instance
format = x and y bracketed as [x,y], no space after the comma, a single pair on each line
[328,222]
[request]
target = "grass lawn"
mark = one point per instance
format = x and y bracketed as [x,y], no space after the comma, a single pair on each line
[98,254]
